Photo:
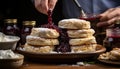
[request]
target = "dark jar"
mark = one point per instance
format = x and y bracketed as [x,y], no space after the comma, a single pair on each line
[26,30]
[11,28]
[112,39]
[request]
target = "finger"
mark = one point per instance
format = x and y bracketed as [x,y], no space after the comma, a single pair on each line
[44,6]
[52,4]
[109,22]
[114,13]
[37,3]
[41,6]
[104,16]
[103,24]
[113,20]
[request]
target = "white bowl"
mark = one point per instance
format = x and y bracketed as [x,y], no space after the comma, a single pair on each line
[12,63]
[9,42]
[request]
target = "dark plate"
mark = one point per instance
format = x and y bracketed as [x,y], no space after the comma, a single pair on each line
[110,62]
[61,56]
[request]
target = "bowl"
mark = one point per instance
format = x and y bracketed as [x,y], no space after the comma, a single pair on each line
[9,42]
[11,63]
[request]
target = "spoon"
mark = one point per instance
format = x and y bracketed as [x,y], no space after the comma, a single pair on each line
[80,8]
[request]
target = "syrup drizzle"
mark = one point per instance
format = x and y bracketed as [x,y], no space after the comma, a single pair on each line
[63,38]
[50,24]
[64,42]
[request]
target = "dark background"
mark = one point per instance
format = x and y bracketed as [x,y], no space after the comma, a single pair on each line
[25,10]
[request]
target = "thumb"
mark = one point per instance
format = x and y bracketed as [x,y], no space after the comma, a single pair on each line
[51,4]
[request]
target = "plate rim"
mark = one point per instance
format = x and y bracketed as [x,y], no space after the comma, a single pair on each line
[109,61]
[62,57]
[85,53]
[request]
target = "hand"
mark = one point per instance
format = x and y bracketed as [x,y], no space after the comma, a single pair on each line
[109,17]
[44,5]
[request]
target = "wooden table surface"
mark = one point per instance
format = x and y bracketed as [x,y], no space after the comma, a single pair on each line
[36,65]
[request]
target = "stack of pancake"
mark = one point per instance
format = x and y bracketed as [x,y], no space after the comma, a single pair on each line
[80,34]
[42,40]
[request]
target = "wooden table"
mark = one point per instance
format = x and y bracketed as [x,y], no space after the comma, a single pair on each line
[36,65]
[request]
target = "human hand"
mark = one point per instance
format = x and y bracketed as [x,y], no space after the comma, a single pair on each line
[109,17]
[44,5]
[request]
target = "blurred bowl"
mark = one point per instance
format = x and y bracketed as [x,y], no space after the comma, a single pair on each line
[9,42]
[11,63]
